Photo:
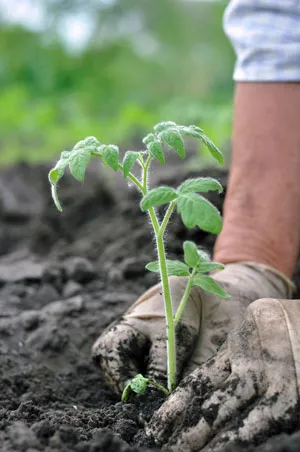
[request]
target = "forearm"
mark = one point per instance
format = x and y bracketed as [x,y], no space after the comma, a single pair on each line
[262,207]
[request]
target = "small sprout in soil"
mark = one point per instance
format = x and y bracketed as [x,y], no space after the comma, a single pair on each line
[139,384]
[195,210]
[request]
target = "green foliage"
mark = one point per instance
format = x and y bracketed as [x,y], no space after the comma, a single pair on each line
[194,209]
[206,267]
[174,268]
[129,160]
[111,155]
[157,197]
[139,384]
[78,161]
[201,184]
[209,285]
[155,149]
[198,211]
[172,137]
[191,256]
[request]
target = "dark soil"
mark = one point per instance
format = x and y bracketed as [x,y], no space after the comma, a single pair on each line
[63,279]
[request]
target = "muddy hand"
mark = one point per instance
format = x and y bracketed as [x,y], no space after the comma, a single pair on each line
[249,390]
[122,350]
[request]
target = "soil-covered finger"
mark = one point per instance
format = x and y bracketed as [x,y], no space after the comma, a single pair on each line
[203,420]
[182,407]
[120,353]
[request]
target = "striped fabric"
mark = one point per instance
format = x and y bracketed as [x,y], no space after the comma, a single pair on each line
[266,37]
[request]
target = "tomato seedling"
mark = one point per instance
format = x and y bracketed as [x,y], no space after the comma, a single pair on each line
[195,210]
[139,384]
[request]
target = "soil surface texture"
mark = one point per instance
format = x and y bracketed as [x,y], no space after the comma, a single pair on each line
[63,279]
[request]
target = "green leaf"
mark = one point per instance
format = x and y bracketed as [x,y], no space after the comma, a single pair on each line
[174,268]
[91,142]
[198,211]
[110,153]
[139,384]
[125,393]
[173,138]
[205,267]
[153,267]
[78,161]
[56,174]
[203,256]
[201,184]
[209,285]
[148,138]
[156,150]
[191,256]
[192,131]
[215,152]
[157,197]
[163,126]
[129,160]
[196,132]
[55,197]
[79,145]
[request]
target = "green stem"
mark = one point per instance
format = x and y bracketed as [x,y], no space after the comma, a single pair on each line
[158,386]
[171,341]
[145,174]
[167,217]
[184,299]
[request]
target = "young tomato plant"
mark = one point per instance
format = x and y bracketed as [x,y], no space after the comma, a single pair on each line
[195,210]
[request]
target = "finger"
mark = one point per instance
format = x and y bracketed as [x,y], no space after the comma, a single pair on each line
[119,353]
[197,385]
[157,366]
[263,421]
[224,404]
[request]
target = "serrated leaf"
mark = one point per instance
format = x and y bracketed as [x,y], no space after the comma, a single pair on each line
[196,132]
[191,256]
[78,161]
[91,142]
[192,131]
[79,145]
[163,126]
[148,138]
[139,384]
[209,285]
[129,160]
[198,211]
[205,267]
[174,268]
[215,152]
[173,138]
[201,184]
[55,174]
[110,153]
[156,150]
[157,197]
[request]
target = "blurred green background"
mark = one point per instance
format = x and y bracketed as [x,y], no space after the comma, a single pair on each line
[110,68]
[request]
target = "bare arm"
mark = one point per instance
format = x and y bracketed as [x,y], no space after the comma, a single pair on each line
[262,208]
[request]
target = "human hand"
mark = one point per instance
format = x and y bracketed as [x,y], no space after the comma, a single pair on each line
[122,349]
[247,391]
